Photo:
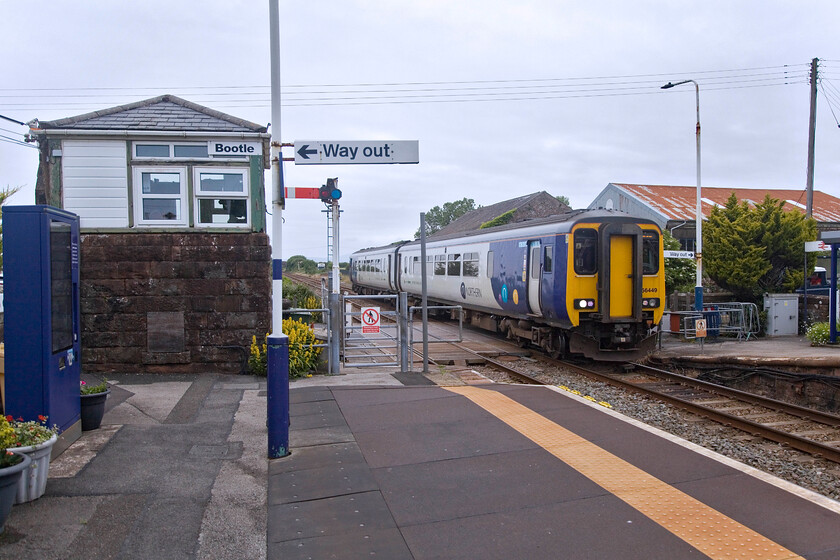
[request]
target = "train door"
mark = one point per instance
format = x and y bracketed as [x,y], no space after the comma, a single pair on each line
[534,277]
[621,272]
[621,276]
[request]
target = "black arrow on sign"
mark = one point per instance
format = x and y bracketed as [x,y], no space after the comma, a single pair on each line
[304,153]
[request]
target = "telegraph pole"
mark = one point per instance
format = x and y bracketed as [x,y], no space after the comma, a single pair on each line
[812,130]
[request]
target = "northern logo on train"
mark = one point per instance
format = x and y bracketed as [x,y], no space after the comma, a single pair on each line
[463,290]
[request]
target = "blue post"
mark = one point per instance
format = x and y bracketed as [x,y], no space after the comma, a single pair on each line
[278,396]
[698,298]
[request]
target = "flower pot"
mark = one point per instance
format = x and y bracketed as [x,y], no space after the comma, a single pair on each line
[9,478]
[33,482]
[93,409]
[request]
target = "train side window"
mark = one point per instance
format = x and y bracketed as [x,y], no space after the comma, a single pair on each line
[430,269]
[586,251]
[440,265]
[535,263]
[489,264]
[471,264]
[548,259]
[453,267]
[415,266]
[650,253]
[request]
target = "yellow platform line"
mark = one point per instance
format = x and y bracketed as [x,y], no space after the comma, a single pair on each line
[701,526]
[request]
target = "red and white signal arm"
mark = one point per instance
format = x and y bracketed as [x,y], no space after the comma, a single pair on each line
[370,320]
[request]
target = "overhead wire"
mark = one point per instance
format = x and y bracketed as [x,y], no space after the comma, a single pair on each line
[426,92]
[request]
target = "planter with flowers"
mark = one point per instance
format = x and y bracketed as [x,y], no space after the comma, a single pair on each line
[12,466]
[93,403]
[34,439]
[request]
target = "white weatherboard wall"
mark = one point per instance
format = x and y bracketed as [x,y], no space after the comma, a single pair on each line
[95,182]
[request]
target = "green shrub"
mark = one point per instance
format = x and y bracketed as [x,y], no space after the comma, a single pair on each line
[818,334]
[303,356]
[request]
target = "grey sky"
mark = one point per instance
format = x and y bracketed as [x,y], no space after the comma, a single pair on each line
[522,126]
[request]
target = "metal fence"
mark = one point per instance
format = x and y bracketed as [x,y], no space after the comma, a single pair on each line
[734,319]
[411,341]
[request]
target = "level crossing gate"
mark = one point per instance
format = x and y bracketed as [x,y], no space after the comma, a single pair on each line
[371,334]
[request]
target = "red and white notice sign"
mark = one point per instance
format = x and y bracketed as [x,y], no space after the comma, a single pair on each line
[370,320]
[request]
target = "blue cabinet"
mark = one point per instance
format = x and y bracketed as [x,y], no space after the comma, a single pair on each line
[42,322]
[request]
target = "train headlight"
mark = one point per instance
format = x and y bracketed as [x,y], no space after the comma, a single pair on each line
[650,303]
[584,304]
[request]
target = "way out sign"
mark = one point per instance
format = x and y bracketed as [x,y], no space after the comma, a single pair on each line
[333,152]
[370,320]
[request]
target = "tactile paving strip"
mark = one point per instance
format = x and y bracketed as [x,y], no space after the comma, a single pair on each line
[703,527]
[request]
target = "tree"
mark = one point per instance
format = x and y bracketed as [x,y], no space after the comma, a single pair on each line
[564,200]
[679,273]
[753,251]
[299,263]
[439,217]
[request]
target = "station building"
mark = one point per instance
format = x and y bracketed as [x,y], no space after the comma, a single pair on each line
[674,208]
[175,259]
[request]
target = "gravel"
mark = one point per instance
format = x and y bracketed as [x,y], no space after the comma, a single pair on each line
[819,475]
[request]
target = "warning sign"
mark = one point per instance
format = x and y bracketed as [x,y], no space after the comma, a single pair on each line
[370,320]
[700,327]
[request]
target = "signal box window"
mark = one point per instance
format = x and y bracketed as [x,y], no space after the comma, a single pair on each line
[161,194]
[586,251]
[650,252]
[453,267]
[221,197]
[471,265]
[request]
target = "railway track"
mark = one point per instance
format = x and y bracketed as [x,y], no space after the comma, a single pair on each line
[800,428]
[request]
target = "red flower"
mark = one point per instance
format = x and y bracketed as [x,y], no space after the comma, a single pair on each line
[42,418]
[10,418]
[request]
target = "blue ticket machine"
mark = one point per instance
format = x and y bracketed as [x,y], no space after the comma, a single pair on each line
[42,334]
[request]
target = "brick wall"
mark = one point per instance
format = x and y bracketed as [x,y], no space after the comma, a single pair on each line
[173,302]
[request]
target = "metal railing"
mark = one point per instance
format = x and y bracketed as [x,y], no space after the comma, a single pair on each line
[411,341]
[736,319]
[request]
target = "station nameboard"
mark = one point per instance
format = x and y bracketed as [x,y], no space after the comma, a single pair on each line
[337,152]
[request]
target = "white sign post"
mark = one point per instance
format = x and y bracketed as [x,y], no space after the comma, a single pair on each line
[336,152]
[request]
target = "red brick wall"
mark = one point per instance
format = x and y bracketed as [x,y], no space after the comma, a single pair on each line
[172,302]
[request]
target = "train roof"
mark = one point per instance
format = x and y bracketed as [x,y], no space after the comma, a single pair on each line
[572,216]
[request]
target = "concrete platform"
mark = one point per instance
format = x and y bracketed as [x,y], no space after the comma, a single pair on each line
[783,351]
[505,471]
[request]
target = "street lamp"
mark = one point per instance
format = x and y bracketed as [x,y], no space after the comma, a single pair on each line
[698,249]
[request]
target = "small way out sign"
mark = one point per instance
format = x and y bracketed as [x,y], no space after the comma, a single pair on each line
[336,152]
[370,320]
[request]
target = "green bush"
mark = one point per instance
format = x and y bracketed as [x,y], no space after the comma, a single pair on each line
[818,334]
[303,356]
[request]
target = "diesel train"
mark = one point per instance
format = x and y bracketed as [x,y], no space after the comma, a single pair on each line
[588,282]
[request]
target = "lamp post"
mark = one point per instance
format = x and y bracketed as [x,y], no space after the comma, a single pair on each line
[698,249]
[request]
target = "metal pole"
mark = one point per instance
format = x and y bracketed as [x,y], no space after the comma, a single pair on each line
[698,249]
[424,292]
[812,130]
[403,317]
[336,280]
[698,289]
[335,297]
[277,388]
